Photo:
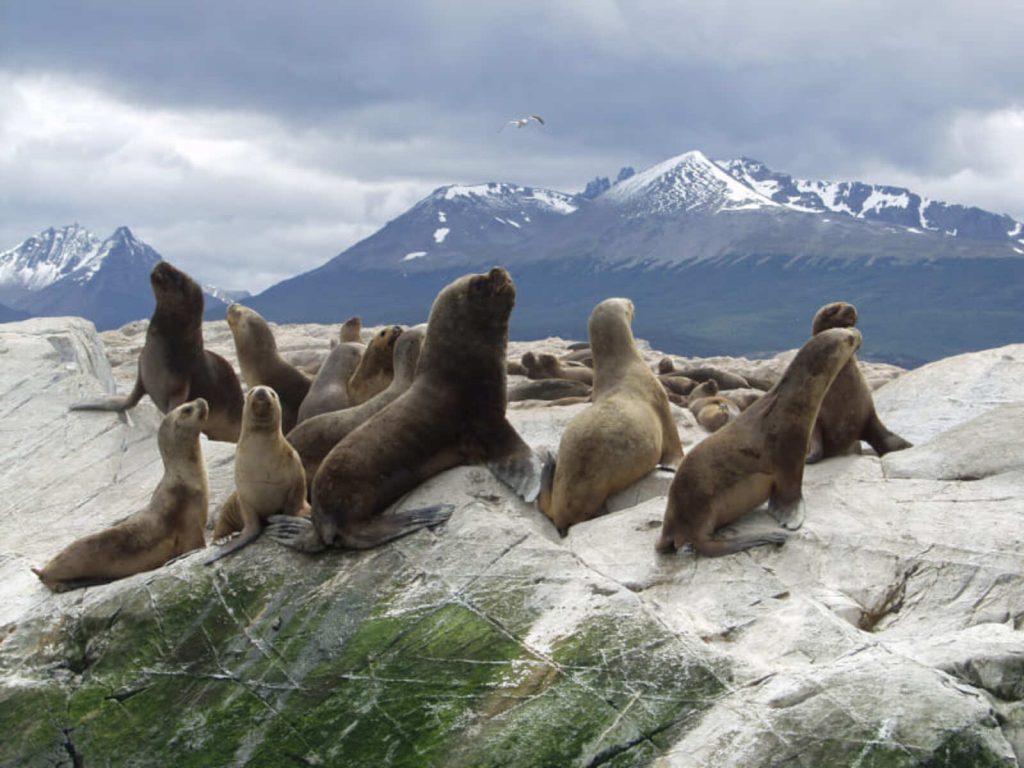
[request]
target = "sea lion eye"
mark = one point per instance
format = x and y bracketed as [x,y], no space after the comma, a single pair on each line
[187,410]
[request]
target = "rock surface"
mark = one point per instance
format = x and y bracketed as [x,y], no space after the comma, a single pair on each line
[887,631]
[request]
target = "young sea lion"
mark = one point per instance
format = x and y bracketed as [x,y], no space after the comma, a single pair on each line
[269,478]
[174,367]
[262,365]
[454,413]
[315,437]
[626,433]
[757,457]
[847,413]
[329,390]
[376,368]
[171,525]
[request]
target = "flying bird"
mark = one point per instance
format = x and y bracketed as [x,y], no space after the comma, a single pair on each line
[520,122]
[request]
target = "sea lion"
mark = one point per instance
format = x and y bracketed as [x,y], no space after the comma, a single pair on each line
[547,389]
[724,379]
[376,368]
[581,356]
[847,413]
[174,367]
[454,413]
[329,390]
[547,366]
[626,433]
[757,457]
[269,478]
[352,330]
[169,526]
[262,365]
[677,385]
[665,366]
[315,437]
[515,368]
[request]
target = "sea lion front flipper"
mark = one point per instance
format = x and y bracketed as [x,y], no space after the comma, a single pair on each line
[113,402]
[786,503]
[815,449]
[513,461]
[249,534]
[295,533]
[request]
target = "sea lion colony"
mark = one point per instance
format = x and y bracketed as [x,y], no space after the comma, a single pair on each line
[319,462]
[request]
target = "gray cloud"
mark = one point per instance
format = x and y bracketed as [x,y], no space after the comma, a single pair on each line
[278,134]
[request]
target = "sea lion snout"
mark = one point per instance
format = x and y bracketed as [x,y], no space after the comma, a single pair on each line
[235,312]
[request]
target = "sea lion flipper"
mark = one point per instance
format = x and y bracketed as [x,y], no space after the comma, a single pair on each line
[295,533]
[247,536]
[879,437]
[112,402]
[514,462]
[717,547]
[815,448]
[380,530]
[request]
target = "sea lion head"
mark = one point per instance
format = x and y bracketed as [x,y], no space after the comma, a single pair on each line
[822,357]
[529,361]
[178,435]
[172,285]
[838,314]
[351,330]
[248,325]
[548,364]
[383,344]
[469,319]
[665,365]
[610,327]
[262,411]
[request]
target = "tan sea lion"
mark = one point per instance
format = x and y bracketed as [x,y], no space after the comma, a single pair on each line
[171,524]
[515,368]
[665,366]
[376,368]
[329,390]
[262,365]
[581,356]
[174,367]
[546,366]
[315,437]
[626,433]
[847,413]
[677,385]
[454,413]
[757,457]
[269,478]
[724,379]
[352,330]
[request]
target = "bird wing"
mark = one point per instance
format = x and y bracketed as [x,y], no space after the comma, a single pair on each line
[538,118]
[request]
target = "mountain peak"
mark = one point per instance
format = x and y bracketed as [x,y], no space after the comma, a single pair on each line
[686,182]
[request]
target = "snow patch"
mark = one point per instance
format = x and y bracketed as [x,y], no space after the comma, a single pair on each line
[440,234]
[1015,231]
[414,255]
[442,217]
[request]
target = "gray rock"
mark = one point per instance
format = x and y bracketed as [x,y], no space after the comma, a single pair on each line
[886,631]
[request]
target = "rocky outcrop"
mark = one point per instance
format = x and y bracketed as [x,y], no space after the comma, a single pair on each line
[887,631]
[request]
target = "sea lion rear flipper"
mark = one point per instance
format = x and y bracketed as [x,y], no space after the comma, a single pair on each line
[878,436]
[717,547]
[513,461]
[113,402]
[380,530]
[247,536]
[295,533]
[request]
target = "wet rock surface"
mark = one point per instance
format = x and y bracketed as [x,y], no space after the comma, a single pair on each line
[887,631]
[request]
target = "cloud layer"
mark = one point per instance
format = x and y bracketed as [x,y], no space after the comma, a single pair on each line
[248,141]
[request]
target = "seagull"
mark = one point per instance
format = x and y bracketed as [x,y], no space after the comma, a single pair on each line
[520,122]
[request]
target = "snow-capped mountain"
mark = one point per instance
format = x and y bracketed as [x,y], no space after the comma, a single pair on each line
[719,257]
[874,202]
[70,271]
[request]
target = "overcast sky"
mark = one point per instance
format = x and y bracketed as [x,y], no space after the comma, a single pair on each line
[249,141]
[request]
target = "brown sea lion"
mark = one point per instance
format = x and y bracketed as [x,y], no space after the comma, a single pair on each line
[454,413]
[269,478]
[546,366]
[171,524]
[547,389]
[757,457]
[847,413]
[724,379]
[677,385]
[315,437]
[376,368]
[262,365]
[352,330]
[329,390]
[624,435]
[174,367]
